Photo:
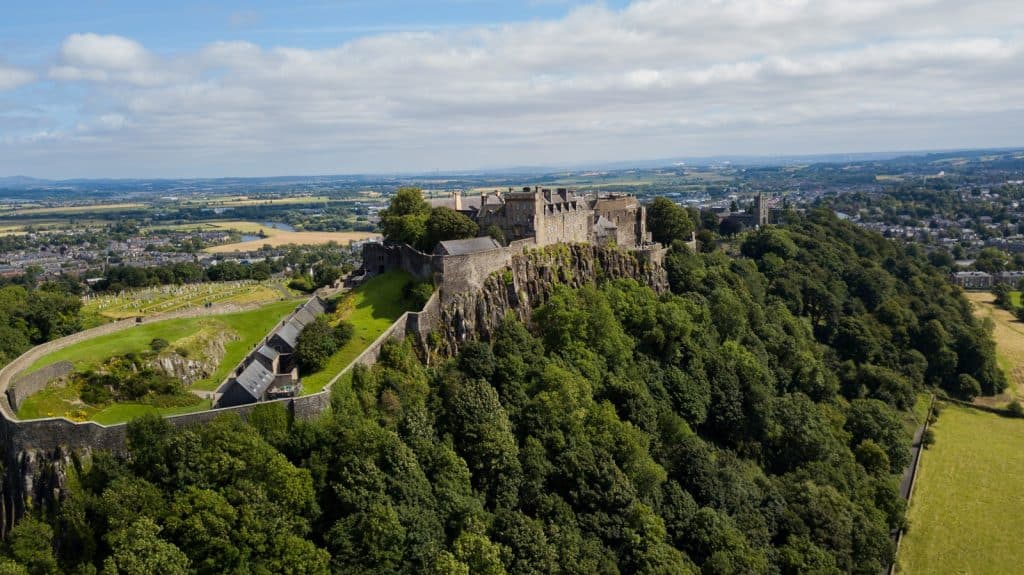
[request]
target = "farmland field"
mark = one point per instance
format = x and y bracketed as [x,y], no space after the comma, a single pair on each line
[73,209]
[371,308]
[277,238]
[965,514]
[248,327]
[163,299]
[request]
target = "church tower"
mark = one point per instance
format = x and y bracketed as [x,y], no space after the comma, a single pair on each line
[760,210]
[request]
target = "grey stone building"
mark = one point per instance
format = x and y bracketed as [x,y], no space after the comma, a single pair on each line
[559,215]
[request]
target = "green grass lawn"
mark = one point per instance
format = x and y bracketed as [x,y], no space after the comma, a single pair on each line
[249,327]
[372,308]
[965,514]
[63,401]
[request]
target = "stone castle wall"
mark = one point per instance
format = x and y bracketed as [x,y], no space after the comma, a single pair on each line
[25,385]
[468,272]
[564,226]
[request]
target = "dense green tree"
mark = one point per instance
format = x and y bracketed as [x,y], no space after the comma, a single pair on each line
[137,549]
[446,224]
[668,221]
[405,218]
[870,419]
[30,544]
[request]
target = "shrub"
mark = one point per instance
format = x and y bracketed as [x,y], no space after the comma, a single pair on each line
[318,342]
[159,344]
[1015,409]
[343,332]
[928,438]
[302,283]
[417,293]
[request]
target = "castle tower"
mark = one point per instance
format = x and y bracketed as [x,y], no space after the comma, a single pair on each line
[760,210]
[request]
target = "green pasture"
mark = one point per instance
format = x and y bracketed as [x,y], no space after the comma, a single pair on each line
[371,308]
[965,516]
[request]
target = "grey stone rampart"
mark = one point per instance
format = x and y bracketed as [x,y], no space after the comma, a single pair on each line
[423,322]
[466,273]
[25,385]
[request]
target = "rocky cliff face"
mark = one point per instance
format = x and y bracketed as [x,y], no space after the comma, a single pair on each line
[529,281]
[34,478]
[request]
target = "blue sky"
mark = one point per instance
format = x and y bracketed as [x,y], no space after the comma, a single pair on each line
[30,30]
[125,89]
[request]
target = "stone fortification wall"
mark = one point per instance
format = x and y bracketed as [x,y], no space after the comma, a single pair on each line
[564,225]
[38,453]
[468,272]
[25,385]
[379,258]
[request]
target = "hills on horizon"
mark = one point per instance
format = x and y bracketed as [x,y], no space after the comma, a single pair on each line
[24,183]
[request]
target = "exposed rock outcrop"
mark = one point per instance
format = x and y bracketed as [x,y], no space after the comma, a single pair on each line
[208,352]
[529,281]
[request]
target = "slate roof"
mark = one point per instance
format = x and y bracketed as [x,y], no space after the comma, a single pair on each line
[268,352]
[468,202]
[289,333]
[255,379]
[304,316]
[470,246]
[315,305]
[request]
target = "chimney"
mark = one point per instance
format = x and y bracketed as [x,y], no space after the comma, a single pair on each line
[457,196]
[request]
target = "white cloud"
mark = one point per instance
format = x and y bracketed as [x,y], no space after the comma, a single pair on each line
[658,78]
[11,77]
[112,58]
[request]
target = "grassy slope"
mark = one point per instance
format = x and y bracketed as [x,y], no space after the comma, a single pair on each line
[250,327]
[371,308]
[965,517]
[1009,337]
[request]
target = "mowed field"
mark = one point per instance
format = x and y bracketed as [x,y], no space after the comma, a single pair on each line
[248,328]
[967,513]
[371,308]
[1009,337]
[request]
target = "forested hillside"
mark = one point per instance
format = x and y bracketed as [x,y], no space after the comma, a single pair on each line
[748,422]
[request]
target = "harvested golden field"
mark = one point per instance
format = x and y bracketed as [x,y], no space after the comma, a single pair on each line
[1009,338]
[277,238]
